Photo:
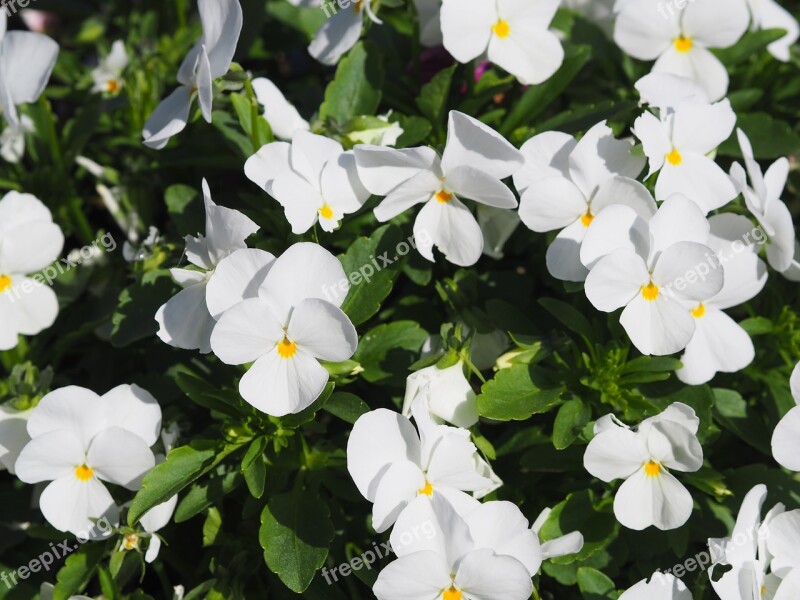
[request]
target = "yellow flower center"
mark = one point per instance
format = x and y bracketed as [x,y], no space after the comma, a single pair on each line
[652,469]
[5,283]
[84,473]
[451,594]
[699,311]
[587,218]
[130,542]
[427,490]
[650,292]
[112,86]
[358,6]
[326,212]
[683,44]
[287,349]
[502,30]
[444,197]
[674,158]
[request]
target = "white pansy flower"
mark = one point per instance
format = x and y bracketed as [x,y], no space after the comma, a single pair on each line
[783,542]
[661,586]
[391,463]
[651,269]
[13,435]
[768,14]
[666,91]
[430,22]
[678,145]
[26,62]
[341,31]
[719,344]
[293,323]
[570,543]
[786,438]
[763,200]
[746,552]
[80,440]
[108,74]
[313,178]
[513,34]
[281,115]
[644,457]
[449,394]
[229,273]
[12,140]
[597,172]
[209,59]
[680,39]
[456,558]
[29,242]
[152,521]
[497,226]
[475,160]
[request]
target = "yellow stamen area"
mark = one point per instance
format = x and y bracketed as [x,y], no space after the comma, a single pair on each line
[5,283]
[763,590]
[451,594]
[674,158]
[84,473]
[683,44]
[501,29]
[444,197]
[130,542]
[699,311]
[287,349]
[326,212]
[587,219]
[112,86]
[427,490]
[650,292]
[359,4]
[652,469]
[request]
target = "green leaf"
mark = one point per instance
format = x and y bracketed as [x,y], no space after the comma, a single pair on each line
[732,412]
[514,394]
[183,466]
[296,532]
[209,396]
[432,99]
[306,415]
[348,407]
[569,316]
[578,512]
[571,418]
[537,98]
[594,584]
[770,137]
[386,352]
[211,526]
[134,318]
[371,266]
[181,201]
[78,570]
[757,326]
[356,89]
[206,493]
[752,43]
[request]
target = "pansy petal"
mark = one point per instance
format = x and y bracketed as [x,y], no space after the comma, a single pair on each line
[529,53]
[470,143]
[70,504]
[616,227]
[279,112]
[323,330]
[50,456]
[184,321]
[397,486]
[236,278]
[501,527]
[222,23]
[564,254]
[74,408]
[305,270]
[644,32]
[378,439]
[246,332]
[266,165]
[121,457]
[382,169]
[418,576]
[337,35]
[483,575]
[467,27]
[168,119]
[546,154]
[552,203]
[416,190]
[616,279]
[26,62]
[644,500]
[689,271]
[279,386]
[660,327]
[135,409]
[716,24]
[468,182]
[786,440]
[30,247]
[615,453]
